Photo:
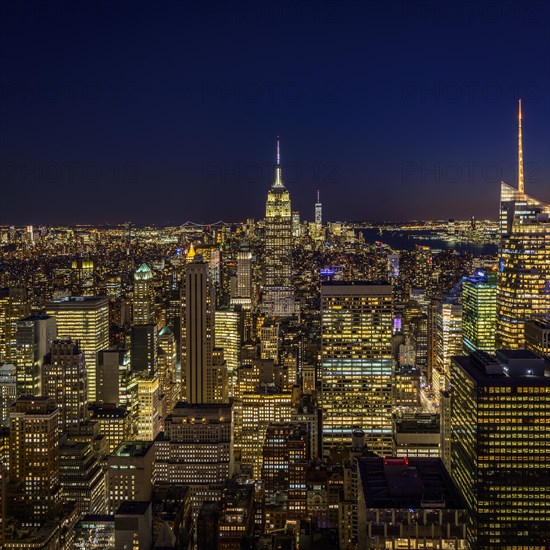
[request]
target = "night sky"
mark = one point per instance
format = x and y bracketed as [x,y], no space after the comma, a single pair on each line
[162,112]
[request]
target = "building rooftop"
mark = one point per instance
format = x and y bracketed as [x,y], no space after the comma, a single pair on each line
[107,411]
[35,318]
[354,283]
[407,483]
[133,448]
[133,507]
[506,368]
[420,423]
[164,331]
[78,301]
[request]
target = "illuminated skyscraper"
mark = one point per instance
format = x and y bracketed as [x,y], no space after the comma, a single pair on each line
[448,342]
[243,290]
[8,392]
[130,473]
[423,266]
[83,277]
[149,419]
[228,336]
[523,287]
[114,423]
[500,452]
[113,377]
[253,413]
[34,461]
[196,449]
[34,336]
[269,341]
[14,305]
[144,296]
[200,377]
[66,384]
[83,477]
[479,306]
[143,348]
[318,212]
[86,320]
[356,363]
[169,386]
[278,294]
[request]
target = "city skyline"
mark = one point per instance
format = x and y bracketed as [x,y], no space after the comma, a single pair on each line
[386,125]
[346,346]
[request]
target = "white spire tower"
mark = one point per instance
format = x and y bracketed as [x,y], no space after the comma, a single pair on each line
[318,211]
[521,181]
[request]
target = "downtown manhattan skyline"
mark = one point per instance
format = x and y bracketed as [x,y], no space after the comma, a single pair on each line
[167,113]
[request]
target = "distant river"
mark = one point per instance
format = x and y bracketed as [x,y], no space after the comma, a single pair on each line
[402,241]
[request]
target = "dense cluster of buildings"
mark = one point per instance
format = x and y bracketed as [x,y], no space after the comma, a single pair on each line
[274,385]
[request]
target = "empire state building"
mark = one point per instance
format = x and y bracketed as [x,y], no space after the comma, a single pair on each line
[278,294]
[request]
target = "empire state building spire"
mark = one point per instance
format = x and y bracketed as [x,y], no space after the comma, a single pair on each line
[521,182]
[278,168]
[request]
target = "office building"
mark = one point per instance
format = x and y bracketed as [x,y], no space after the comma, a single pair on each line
[269,341]
[479,308]
[130,473]
[34,460]
[524,266]
[500,451]
[200,380]
[284,444]
[112,376]
[149,420]
[278,293]
[84,319]
[196,449]
[143,349]
[417,435]
[134,526]
[8,392]
[318,211]
[356,363]
[167,358]
[243,290]
[144,297]
[448,342]
[253,413]
[408,503]
[235,520]
[33,337]
[228,336]
[82,478]
[65,383]
[115,424]
[83,277]
[14,305]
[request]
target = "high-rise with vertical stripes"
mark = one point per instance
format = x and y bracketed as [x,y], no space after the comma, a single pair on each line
[523,287]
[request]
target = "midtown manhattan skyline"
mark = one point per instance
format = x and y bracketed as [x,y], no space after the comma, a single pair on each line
[392,110]
[275,275]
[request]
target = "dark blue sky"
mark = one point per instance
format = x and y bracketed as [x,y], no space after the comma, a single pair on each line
[168,111]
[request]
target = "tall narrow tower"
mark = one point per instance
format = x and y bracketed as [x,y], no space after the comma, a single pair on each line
[200,383]
[144,296]
[521,182]
[278,295]
[523,286]
[318,211]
